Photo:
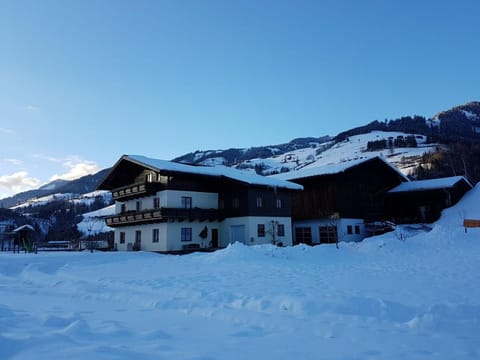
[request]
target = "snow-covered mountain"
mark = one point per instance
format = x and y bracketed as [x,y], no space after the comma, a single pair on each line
[86,199]
[352,148]
[67,214]
[82,185]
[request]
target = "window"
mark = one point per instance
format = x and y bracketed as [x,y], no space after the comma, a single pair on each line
[357,229]
[328,234]
[186,202]
[281,230]
[156,202]
[139,205]
[261,230]
[122,238]
[123,209]
[221,204]
[259,201]
[155,235]
[349,230]
[236,203]
[303,235]
[186,234]
[279,203]
[138,236]
[149,177]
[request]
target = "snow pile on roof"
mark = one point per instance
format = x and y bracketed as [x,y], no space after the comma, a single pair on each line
[430,184]
[467,208]
[313,170]
[93,222]
[24,227]
[217,171]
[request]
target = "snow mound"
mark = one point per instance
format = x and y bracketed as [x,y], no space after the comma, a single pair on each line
[414,296]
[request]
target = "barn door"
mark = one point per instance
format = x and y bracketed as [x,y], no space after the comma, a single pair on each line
[237,233]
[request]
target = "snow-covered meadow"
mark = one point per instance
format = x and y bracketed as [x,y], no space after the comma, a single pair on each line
[384,298]
[352,148]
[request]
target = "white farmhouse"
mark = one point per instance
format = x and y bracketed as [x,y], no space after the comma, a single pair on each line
[167,207]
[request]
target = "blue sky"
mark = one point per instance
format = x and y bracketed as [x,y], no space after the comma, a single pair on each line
[83,82]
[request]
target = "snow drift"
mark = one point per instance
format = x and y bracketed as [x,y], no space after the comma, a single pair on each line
[384,298]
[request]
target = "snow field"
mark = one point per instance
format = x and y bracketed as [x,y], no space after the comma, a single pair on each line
[351,149]
[380,299]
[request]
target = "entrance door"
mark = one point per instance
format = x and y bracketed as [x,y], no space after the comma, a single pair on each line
[237,233]
[214,238]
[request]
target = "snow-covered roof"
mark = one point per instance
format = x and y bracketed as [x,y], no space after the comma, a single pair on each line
[24,227]
[431,184]
[330,169]
[217,171]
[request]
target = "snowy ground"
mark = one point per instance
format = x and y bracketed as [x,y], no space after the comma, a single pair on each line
[381,299]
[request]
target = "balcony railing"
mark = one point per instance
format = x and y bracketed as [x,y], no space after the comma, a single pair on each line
[136,190]
[162,215]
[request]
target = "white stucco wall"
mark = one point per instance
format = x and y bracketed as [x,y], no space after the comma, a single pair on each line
[172,199]
[342,226]
[170,235]
[174,233]
[251,234]
[147,237]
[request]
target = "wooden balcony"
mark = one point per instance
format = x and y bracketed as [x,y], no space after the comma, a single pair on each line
[162,215]
[135,190]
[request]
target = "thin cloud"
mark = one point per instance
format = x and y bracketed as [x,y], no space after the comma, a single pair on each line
[48,158]
[32,108]
[15,162]
[18,182]
[6,131]
[76,169]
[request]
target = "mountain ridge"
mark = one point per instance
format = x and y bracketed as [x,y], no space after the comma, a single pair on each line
[82,185]
[445,145]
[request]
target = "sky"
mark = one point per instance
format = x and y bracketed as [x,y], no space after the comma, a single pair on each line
[83,82]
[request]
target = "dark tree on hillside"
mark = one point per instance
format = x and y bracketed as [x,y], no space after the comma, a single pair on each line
[461,158]
[410,141]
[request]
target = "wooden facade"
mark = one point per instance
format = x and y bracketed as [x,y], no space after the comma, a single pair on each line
[356,192]
[424,205]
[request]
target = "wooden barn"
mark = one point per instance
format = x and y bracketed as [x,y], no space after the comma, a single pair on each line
[422,201]
[341,198]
